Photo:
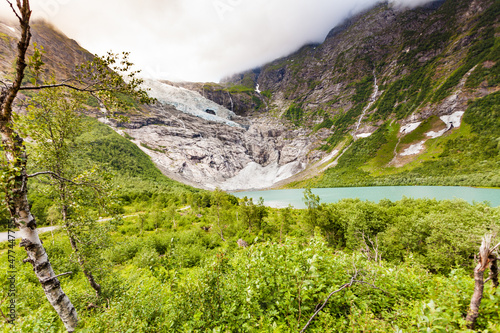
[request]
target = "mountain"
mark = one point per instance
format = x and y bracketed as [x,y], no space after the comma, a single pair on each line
[189,137]
[392,96]
[408,76]
[61,54]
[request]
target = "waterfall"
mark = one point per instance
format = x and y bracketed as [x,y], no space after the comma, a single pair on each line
[372,100]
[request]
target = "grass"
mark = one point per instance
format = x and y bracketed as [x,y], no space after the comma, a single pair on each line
[151,148]
[386,153]
[430,124]
[240,89]
[465,156]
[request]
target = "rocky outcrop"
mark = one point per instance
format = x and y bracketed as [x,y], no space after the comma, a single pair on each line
[360,77]
[209,154]
[387,41]
[385,65]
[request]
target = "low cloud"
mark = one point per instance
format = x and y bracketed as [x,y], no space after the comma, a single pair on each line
[409,3]
[198,40]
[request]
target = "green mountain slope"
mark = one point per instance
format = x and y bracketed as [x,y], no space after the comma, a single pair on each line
[386,70]
[135,177]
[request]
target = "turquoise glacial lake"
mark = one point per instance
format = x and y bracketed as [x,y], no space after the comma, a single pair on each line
[283,198]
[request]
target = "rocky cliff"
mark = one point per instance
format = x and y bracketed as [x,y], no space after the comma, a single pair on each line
[209,155]
[386,91]
[389,65]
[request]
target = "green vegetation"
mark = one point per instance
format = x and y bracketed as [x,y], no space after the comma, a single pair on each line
[385,154]
[167,255]
[295,114]
[267,94]
[127,136]
[257,101]
[364,89]
[5,38]
[478,52]
[92,101]
[419,132]
[135,175]
[164,273]
[342,121]
[472,152]
[406,94]
[326,123]
[151,148]
[241,89]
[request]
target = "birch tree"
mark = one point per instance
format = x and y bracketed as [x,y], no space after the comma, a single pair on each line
[53,123]
[100,78]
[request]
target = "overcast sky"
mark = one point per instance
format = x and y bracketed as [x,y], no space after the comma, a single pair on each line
[197,40]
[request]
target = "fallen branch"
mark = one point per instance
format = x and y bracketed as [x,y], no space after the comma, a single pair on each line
[347,285]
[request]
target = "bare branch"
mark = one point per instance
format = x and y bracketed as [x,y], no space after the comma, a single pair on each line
[53,174]
[14,10]
[373,286]
[58,177]
[347,285]
[22,47]
[58,85]
[1,312]
[55,277]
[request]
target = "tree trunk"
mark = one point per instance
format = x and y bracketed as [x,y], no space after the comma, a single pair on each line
[81,262]
[477,296]
[485,258]
[494,272]
[74,246]
[17,199]
[16,186]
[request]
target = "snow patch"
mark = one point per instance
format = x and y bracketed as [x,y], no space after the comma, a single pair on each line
[257,89]
[364,135]
[329,157]
[434,135]
[452,121]
[255,176]
[455,119]
[413,149]
[408,128]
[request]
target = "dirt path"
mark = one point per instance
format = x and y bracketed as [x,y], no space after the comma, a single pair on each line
[4,236]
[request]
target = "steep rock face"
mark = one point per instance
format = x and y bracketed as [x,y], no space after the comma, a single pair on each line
[60,54]
[385,67]
[425,46]
[210,154]
[190,137]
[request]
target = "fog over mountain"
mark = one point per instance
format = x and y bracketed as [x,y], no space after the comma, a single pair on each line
[198,40]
